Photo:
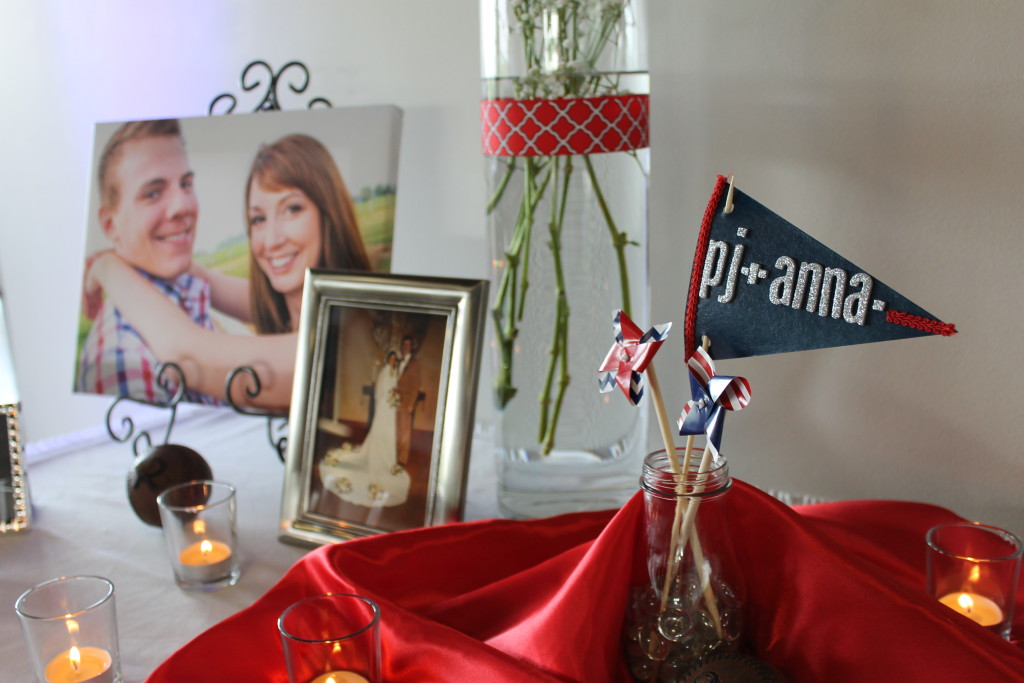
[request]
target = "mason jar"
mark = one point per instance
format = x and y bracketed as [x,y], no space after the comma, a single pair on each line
[686,608]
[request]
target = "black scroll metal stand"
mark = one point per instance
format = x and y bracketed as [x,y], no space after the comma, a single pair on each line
[277,424]
[270,101]
[171,379]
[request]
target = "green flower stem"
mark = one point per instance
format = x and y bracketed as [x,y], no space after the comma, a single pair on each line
[560,357]
[510,297]
[558,352]
[533,194]
[619,238]
[510,168]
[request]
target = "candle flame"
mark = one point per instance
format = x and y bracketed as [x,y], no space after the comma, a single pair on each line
[330,679]
[965,602]
[72,626]
[75,657]
[199,527]
[205,547]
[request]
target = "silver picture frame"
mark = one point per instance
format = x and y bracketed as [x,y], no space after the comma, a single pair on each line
[15,510]
[15,507]
[361,337]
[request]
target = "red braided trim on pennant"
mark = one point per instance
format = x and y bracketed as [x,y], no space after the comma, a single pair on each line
[579,125]
[919,323]
[690,322]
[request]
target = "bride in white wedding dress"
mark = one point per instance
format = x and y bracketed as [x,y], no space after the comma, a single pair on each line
[368,473]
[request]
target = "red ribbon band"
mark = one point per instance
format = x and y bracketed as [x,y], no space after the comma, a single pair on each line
[580,125]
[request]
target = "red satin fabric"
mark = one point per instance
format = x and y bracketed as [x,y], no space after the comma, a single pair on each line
[832,592]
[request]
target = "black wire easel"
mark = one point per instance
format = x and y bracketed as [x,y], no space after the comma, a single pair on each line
[270,101]
[171,379]
[169,376]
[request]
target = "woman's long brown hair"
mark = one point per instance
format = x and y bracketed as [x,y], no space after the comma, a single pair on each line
[302,162]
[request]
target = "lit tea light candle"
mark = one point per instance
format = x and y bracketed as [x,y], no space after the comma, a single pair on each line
[80,665]
[976,607]
[205,552]
[340,677]
[205,560]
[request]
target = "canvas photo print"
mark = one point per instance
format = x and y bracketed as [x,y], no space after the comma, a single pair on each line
[199,234]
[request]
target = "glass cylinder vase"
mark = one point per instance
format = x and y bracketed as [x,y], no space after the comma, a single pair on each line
[564,116]
[686,609]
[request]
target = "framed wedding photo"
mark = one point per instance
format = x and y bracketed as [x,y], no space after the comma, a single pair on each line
[383,404]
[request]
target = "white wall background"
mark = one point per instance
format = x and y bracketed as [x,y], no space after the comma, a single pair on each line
[893,132]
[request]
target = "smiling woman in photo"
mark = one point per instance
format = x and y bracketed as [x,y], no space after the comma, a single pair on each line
[300,215]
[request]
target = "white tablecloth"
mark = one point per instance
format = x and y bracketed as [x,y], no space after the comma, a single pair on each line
[83,524]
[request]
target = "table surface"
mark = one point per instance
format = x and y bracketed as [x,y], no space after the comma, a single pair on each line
[83,524]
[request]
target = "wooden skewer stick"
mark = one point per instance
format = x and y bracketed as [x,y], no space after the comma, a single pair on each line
[672,560]
[679,524]
[709,593]
[673,459]
[728,197]
[687,530]
[679,521]
[663,425]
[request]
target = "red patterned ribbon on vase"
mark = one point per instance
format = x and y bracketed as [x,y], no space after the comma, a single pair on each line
[579,125]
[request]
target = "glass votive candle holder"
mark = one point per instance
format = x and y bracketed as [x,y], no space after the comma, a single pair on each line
[974,569]
[70,628]
[332,638]
[198,519]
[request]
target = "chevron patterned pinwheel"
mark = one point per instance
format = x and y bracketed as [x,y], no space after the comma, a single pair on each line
[629,356]
[712,396]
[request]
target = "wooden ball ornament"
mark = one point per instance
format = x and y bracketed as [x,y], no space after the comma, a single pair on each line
[156,471]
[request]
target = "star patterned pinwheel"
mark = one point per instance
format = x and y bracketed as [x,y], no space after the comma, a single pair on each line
[712,396]
[629,356]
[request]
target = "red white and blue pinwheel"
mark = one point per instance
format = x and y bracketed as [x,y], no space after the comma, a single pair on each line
[712,396]
[629,356]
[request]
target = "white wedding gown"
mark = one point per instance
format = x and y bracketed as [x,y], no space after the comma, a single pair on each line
[368,473]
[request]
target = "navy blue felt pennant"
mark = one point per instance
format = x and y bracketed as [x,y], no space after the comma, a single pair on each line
[760,285]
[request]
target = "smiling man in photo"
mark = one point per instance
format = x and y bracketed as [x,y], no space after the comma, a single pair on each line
[148,210]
